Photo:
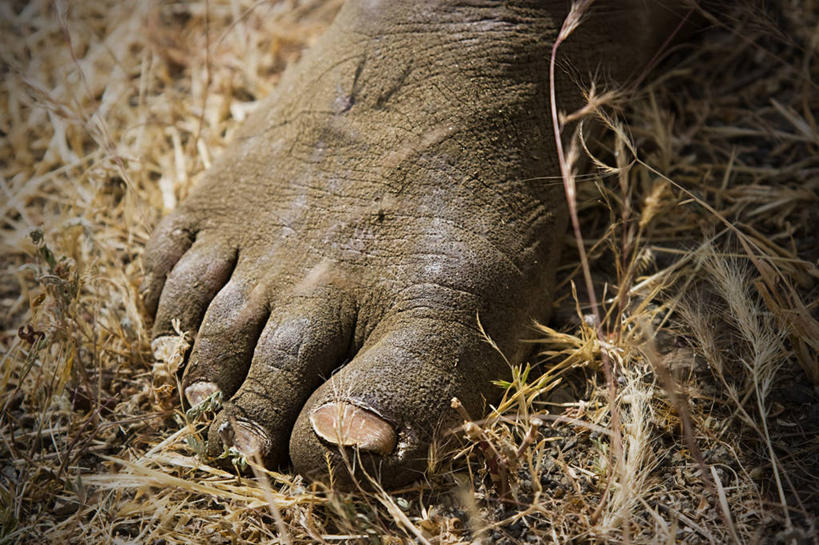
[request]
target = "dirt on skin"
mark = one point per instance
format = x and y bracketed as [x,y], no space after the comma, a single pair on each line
[387,208]
[112,112]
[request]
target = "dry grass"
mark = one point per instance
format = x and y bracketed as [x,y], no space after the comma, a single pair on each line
[701,233]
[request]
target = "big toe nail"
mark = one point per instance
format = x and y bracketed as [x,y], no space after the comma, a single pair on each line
[347,425]
[199,391]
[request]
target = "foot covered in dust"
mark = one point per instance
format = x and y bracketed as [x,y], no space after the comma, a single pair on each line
[339,265]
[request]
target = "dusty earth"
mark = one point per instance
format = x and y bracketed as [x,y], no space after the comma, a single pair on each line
[699,218]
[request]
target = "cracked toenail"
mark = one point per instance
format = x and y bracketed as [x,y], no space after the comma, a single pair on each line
[250,439]
[198,392]
[347,425]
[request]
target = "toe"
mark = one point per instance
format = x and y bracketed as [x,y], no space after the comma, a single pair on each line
[304,340]
[227,337]
[389,402]
[170,240]
[191,285]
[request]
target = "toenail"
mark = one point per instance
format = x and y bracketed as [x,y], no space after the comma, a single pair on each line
[198,392]
[347,425]
[250,439]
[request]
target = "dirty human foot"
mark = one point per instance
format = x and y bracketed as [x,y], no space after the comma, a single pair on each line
[396,195]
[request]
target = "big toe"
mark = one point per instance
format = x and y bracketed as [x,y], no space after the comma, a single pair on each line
[377,417]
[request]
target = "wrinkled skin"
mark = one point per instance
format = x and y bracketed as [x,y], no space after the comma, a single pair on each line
[394,196]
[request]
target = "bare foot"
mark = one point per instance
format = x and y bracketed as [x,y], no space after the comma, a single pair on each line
[398,190]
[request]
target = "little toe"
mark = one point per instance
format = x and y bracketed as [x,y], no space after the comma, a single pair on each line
[191,285]
[390,400]
[169,241]
[303,341]
[227,337]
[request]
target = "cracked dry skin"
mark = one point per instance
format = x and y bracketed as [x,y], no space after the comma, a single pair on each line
[334,263]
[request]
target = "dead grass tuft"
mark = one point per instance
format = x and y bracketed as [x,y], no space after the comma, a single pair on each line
[700,230]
